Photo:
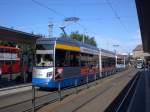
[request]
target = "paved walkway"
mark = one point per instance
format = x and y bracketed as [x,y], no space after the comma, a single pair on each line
[141,99]
[94,99]
[15,89]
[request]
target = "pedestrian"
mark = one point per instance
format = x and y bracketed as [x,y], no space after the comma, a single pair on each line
[30,70]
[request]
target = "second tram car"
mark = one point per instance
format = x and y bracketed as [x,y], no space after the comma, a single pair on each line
[107,60]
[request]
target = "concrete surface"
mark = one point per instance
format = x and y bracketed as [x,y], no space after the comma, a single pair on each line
[96,98]
[15,89]
[141,99]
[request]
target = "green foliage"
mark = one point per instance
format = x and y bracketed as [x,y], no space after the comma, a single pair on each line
[77,36]
[6,43]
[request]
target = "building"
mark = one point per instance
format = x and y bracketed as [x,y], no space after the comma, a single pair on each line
[138,53]
[26,43]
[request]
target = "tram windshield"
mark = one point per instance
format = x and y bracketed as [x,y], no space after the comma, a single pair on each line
[139,62]
[44,55]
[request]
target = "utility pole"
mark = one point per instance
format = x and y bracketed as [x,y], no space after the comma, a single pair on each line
[115,46]
[84,34]
[50,29]
[100,63]
[124,61]
[83,40]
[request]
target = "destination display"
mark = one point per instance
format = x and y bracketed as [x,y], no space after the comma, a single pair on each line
[44,51]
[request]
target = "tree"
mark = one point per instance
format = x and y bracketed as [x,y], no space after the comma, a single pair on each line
[76,36]
[87,39]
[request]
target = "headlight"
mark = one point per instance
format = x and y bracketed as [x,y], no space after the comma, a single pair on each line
[49,74]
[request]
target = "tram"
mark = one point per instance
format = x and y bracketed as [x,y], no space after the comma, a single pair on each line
[66,60]
[139,63]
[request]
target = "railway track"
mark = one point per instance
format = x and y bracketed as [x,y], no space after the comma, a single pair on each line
[121,103]
[101,92]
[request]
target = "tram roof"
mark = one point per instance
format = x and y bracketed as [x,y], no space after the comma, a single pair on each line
[107,53]
[67,41]
[8,34]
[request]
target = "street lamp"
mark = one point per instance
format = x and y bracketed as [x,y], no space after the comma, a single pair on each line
[115,46]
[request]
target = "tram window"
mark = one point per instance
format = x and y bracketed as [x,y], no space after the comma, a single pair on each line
[44,60]
[44,46]
[62,58]
[104,63]
[85,61]
[74,58]
[67,58]
[94,60]
[58,60]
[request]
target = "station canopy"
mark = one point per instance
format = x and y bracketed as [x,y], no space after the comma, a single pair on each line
[8,34]
[143,8]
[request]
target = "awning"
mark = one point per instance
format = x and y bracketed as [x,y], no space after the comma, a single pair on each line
[143,8]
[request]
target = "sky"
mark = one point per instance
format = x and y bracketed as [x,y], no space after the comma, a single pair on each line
[111,22]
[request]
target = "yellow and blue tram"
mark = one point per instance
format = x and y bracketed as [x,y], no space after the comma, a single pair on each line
[61,60]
